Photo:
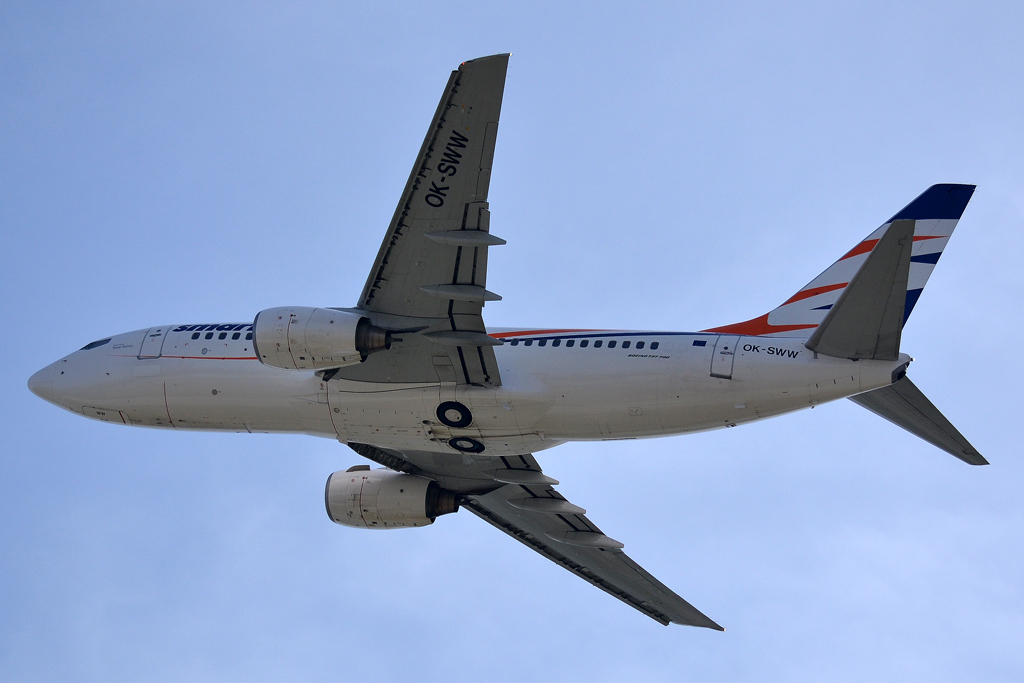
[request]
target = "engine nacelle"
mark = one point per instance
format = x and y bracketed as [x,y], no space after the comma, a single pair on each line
[303,338]
[382,499]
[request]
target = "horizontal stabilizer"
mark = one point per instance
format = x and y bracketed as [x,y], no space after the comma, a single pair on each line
[903,404]
[867,321]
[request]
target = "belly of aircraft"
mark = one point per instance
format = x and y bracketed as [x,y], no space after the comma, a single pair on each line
[548,396]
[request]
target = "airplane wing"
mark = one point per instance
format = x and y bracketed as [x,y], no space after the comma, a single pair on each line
[430,275]
[428,286]
[514,495]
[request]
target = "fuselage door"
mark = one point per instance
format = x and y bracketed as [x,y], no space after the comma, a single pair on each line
[725,353]
[153,342]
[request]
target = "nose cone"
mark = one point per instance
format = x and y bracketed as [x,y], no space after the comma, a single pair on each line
[41,383]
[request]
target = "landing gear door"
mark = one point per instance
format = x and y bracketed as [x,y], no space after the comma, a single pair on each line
[725,353]
[153,342]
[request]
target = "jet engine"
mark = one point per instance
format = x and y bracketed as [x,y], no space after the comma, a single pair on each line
[382,499]
[302,338]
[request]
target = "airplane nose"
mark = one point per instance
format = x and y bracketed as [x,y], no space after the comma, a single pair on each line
[41,383]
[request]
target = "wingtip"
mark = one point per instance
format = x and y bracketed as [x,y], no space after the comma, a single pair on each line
[709,625]
[702,623]
[506,55]
[970,456]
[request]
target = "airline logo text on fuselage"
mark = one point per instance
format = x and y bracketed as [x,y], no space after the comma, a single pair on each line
[771,351]
[216,327]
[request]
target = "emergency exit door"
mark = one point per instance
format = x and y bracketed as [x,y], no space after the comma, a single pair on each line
[153,342]
[725,354]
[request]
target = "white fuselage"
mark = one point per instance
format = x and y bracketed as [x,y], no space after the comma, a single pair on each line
[556,387]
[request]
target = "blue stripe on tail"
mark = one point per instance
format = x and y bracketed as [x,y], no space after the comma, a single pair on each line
[912,296]
[938,201]
[926,258]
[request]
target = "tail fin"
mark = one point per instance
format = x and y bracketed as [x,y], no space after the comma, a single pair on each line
[867,319]
[903,404]
[935,214]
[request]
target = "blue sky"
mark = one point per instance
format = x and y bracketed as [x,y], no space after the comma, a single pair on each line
[663,166]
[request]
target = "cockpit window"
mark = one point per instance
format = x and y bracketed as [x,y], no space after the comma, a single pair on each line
[95,344]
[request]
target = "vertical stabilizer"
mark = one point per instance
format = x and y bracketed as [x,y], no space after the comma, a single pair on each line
[867,320]
[935,214]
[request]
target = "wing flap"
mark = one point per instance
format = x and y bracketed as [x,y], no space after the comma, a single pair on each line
[425,277]
[573,542]
[531,511]
[446,191]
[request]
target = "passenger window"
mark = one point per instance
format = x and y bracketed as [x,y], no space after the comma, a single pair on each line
[700,342]
[556,342]
[611,344]
[195,335]
[584,343]
[248,335]
[529,342]
[625,344]
[542,342]
[236,335]
[209,335]
[598,344]
[222,335]
[569,343]
[639,345]
[515,342]
[654,346]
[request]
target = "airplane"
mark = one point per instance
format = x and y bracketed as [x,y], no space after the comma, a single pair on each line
[411,379]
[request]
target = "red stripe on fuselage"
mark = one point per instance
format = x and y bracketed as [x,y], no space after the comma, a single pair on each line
[757,327]
[193,357]
[212,357]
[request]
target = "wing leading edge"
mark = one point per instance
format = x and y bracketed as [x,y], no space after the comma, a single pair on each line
[513,495]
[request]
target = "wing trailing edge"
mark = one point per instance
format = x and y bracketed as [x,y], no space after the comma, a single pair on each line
[513,495]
